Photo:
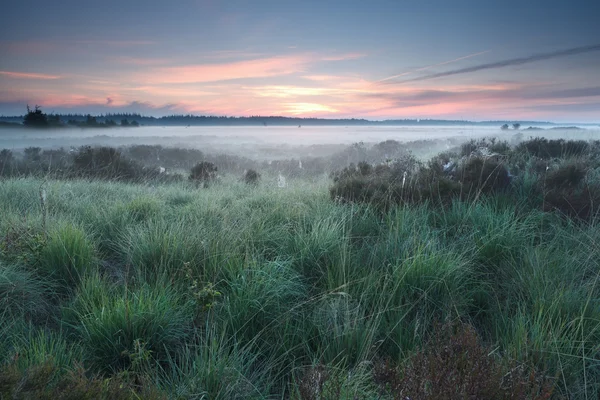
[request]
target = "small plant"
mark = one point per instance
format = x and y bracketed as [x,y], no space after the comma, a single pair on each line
[205,296]
[22,244]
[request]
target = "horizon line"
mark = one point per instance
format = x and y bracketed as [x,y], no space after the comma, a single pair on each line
[418,120]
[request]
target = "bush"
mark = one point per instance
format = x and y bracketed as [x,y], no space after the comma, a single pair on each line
[455,365]
[105,163]
[483,175]
[40,381]
[251,177]
[547,149]
[203,172]
[568,175]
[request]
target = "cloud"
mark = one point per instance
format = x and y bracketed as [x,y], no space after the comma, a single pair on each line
[343,57]
[433,65]
[114,43]
[578,92]
[509,63]
[109,101]
[28,75]
[138,61]
[258,68]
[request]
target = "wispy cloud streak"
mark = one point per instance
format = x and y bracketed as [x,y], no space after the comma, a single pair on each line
[432,66]
[27,75]
[509,63]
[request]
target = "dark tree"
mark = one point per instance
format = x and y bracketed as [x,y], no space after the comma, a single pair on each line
[516,126]
[135,123]
[504,127]
[124,122]
[54,120]
[35,118]
[89,120]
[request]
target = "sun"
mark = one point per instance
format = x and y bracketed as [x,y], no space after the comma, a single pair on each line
[308,108]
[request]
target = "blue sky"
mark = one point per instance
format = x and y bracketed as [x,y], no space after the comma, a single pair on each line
[377,59]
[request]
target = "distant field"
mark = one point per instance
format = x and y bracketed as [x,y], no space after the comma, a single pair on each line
[315,290]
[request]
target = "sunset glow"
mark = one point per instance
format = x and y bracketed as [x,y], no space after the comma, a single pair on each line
[211,58]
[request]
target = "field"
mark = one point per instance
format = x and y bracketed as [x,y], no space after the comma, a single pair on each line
[341,287]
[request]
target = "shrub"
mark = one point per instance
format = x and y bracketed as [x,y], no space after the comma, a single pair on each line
[203,172]
[40,381]
[105,163]
[251,177]
[485,175]
[582,203]
[547,149]
[455,365]
[568,175]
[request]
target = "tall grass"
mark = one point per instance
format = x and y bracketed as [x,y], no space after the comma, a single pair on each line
[238,291]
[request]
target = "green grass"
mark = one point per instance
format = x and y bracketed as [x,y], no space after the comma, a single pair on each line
[237,291]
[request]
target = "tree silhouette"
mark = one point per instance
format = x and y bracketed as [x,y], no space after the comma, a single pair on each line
[516,126]
[35,118]
[504,127]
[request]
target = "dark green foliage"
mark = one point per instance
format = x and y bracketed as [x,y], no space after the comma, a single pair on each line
[483,175]
[203,172]
[35,118]
[407,182]
[110,163]
[568,175]
[541,177]
[251,177]
[547,149]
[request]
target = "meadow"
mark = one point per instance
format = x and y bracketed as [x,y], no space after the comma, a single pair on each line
[471,275]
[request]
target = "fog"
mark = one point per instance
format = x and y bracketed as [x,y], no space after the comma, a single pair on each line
[263,143]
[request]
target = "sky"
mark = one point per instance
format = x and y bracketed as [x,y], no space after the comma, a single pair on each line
[378,59]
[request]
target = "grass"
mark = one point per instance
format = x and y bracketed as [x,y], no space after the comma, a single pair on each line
[255,291]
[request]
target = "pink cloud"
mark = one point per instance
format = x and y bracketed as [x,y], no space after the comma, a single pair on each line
[259,68]
[343,57]
[28,75]
[139,61]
